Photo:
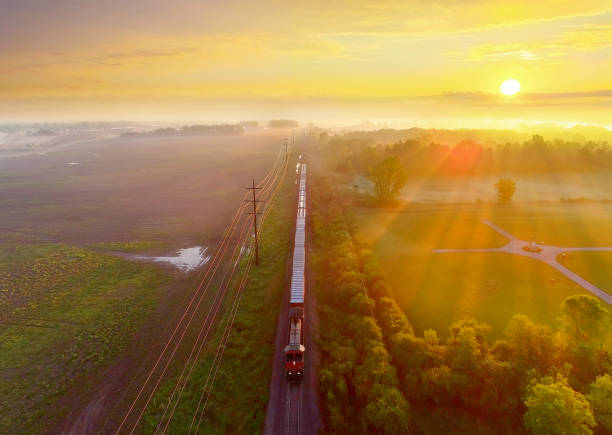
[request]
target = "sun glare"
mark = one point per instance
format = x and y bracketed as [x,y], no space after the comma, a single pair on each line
[510,87]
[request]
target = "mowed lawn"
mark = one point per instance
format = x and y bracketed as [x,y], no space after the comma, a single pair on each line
[436,289]
[596,267]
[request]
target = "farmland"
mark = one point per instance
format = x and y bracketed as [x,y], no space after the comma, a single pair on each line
[240,393]
[131,189]
[66,312]
[79,312]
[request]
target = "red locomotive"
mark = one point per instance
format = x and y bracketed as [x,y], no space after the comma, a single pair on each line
[294,351]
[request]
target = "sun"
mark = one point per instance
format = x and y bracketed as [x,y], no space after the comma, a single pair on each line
[510,87]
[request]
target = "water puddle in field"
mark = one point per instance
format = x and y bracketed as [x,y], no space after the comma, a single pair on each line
[186,259]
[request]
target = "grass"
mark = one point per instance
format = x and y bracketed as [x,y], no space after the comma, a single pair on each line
[65,313]
[436,289]
[594,265]
[585,186]
[240,392]
[558,224]
[141,246]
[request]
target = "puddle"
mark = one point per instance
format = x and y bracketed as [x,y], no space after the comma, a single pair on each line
[186,259]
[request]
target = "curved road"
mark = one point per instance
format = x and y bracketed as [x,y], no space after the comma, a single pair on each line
[548,254]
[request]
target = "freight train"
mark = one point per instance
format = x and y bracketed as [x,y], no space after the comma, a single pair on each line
[294,351]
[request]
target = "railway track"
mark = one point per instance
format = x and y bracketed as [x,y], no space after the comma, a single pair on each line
[208,388]
[288,410]
[294,424]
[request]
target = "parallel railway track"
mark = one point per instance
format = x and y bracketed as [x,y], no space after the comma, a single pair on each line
[223,266]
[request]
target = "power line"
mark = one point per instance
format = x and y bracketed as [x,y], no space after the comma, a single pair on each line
[208,386]
[214,264]
[255,213]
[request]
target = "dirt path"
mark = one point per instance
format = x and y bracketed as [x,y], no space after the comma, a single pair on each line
[547,254]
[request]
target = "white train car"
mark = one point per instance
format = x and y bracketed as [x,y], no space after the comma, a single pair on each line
[294,351]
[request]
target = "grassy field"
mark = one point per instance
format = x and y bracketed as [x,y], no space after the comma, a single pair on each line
[529,187]
[73,310]
[128,247]
[436,289]
[64,314]
[597,266]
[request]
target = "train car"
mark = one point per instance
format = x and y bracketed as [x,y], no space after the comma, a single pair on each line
[294,351]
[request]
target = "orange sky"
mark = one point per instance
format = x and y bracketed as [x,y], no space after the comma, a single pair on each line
[419,61]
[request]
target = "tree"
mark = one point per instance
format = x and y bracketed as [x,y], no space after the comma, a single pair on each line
[553,407]
[532,345]
[389,177]
[387,411]
[585,317]
[600,398]
[505,189]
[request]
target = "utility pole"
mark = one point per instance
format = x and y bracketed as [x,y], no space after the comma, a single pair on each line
[286,143]
[255,213]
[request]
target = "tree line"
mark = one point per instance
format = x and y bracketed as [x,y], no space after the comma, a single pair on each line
[418,157]
[189,130]
[359,384]
[378,376]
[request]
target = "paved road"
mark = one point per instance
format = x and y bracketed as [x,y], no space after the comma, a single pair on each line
[548,255]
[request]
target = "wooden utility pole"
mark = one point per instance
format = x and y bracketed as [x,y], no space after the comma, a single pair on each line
[255,213]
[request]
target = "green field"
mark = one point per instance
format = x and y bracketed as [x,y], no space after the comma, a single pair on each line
[437,289]
[596,267]
[550,186]
[65,312]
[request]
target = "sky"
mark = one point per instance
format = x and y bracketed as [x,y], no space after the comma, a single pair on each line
[423,62]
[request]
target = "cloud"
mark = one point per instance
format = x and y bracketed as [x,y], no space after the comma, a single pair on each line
[34,25]
[601,98]
[206,48]
[41,61]
[587,37]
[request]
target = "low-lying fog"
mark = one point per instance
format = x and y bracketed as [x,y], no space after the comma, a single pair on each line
[529,187]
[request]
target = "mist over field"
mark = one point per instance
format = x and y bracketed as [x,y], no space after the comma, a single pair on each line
[349,217]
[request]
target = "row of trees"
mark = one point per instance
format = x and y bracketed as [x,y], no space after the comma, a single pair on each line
[470,157]
[358,383]
[534,378]
[189,130]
